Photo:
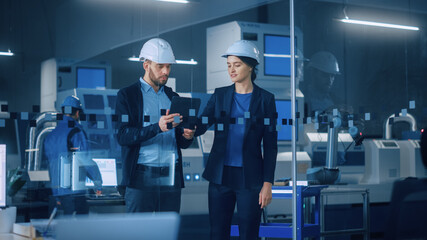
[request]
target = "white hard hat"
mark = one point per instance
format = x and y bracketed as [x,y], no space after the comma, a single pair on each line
[243,48]
[157,50]
[325,62]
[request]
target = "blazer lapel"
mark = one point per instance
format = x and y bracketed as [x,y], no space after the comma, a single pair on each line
[253,107]
[228,100]
[139,102]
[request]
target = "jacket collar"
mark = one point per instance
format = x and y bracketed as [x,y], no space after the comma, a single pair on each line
[256,94]
[254,104]
[147,87]
[139,99]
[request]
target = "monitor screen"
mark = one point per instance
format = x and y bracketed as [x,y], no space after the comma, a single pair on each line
[107,167]
[2,175]
[91,77]
[8,135]
[93,102]
[277,61]
[283,108]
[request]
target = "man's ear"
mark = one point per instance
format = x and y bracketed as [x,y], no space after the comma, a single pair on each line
[78,114]
[146,64]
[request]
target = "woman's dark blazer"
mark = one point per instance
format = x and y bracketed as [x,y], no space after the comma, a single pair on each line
[258,165]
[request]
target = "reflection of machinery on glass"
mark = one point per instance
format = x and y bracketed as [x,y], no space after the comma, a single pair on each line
[390,158]
[330,173]
[73,171]
[188,108]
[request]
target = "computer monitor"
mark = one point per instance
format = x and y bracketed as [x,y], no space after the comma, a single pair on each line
[107,167]
[93,102]
[277,61]
[78,171]
[91,77]
[2,175]
[284,114]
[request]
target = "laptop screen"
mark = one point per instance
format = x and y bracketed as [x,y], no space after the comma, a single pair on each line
[107,167]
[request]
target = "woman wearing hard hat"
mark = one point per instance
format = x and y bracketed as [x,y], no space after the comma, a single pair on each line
[239,169]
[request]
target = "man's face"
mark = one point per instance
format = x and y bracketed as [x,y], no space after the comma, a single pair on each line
[158,73]
[323,80]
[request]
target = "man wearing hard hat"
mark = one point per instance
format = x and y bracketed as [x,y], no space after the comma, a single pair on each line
[150,137]
[66,138]
[322,69]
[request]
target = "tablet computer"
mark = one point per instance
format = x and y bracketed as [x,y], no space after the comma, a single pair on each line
[188,108]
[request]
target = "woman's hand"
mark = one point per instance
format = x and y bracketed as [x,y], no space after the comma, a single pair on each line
[188,133]
[265,195]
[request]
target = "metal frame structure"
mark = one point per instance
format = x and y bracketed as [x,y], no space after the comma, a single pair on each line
[285,230]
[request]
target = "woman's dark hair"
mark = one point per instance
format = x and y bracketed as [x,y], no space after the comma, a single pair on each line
[251,63]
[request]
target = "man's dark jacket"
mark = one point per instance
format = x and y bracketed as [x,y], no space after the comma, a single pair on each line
[131,133]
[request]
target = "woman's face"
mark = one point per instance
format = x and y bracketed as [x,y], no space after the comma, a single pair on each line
[238,70]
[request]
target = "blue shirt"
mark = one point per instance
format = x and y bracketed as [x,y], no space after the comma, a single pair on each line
[234,151]
[161,150]
[55,147]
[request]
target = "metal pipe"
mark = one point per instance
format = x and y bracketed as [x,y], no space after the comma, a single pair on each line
[41,119]
[293,110]
[408,118]
[37,158]
[331,153]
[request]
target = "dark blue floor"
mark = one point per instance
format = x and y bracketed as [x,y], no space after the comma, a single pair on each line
[197,227]
[194,227]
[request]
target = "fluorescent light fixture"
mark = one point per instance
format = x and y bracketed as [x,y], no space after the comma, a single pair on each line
[188,62]
[278,55]
[8,53]
[191,62]
[379,24]
[175,1]
[133,59]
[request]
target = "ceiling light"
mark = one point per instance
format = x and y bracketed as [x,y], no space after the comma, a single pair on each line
[187,62]
[133,59]
[379,24]
[175,1]
[8,53]
[278,55]
[191,62]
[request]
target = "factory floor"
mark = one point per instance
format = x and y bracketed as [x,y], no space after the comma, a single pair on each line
[196,227]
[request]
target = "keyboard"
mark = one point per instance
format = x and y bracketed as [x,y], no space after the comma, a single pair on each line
[110,196]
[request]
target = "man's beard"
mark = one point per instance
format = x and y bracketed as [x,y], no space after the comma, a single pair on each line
[157,81]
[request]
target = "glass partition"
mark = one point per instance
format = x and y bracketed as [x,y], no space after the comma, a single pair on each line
[359,113]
